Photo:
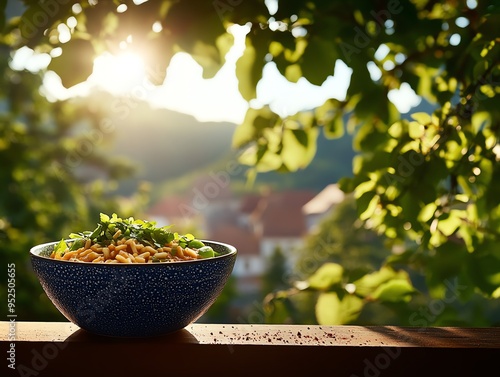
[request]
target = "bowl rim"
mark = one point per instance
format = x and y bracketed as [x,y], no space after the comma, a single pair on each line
[232,252]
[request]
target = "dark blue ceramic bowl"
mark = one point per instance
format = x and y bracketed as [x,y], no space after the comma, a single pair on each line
[133,300]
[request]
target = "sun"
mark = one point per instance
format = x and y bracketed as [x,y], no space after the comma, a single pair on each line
[183,89]
[118,74]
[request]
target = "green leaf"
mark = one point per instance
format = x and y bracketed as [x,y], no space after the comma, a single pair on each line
[250,65]
[244,132]
[394,291]
[331,310]
[276,48]
[299,148]
[367,203]
[416,130]
[334,129]
[293,73]
[326,276]
[318,49]
[367,284]
[328,110]
[38,18]
[330,116]
[496,293]
[255,121]
[422,118]
[398,129]
[427,212]
[248,75]
[450,222]
[294,47]
[369,137]
[75,64]
[78,243]
[60,248]
[3,5]
[480,120]
[261,158]
[302,137]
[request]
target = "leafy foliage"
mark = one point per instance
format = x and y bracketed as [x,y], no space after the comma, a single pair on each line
[272,279]
[42,194]
[348,275]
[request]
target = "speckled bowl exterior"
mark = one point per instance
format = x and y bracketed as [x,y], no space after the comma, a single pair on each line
[133,300]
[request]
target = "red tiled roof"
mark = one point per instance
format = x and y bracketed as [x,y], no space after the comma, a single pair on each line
[245,241]
[282,216]
[249,203]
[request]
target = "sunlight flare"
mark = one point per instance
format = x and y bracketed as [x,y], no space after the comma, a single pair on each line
[118,74]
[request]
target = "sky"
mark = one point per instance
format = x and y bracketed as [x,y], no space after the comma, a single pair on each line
[216,99]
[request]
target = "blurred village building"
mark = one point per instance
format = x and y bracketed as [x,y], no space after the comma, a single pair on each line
[255,224]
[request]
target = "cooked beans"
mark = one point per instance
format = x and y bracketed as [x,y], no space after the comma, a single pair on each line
[127,251]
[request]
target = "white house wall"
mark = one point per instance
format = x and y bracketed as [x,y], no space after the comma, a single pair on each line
[248,265]
[287,245]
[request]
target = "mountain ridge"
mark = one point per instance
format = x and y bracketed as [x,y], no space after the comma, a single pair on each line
[181,147]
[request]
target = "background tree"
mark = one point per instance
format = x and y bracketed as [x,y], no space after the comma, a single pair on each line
[274,277]
[428,184]
[343,256]
[341,237]
[43,194]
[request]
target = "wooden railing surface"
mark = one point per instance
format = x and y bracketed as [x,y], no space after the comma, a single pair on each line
[62,349]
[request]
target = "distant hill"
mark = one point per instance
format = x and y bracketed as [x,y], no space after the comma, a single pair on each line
[172,149]
[165,145]
[332,161]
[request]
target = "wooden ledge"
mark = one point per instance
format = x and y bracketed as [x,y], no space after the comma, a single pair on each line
[62,349]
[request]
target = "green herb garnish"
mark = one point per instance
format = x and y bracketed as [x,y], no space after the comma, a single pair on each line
[114,231]
[110,229]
